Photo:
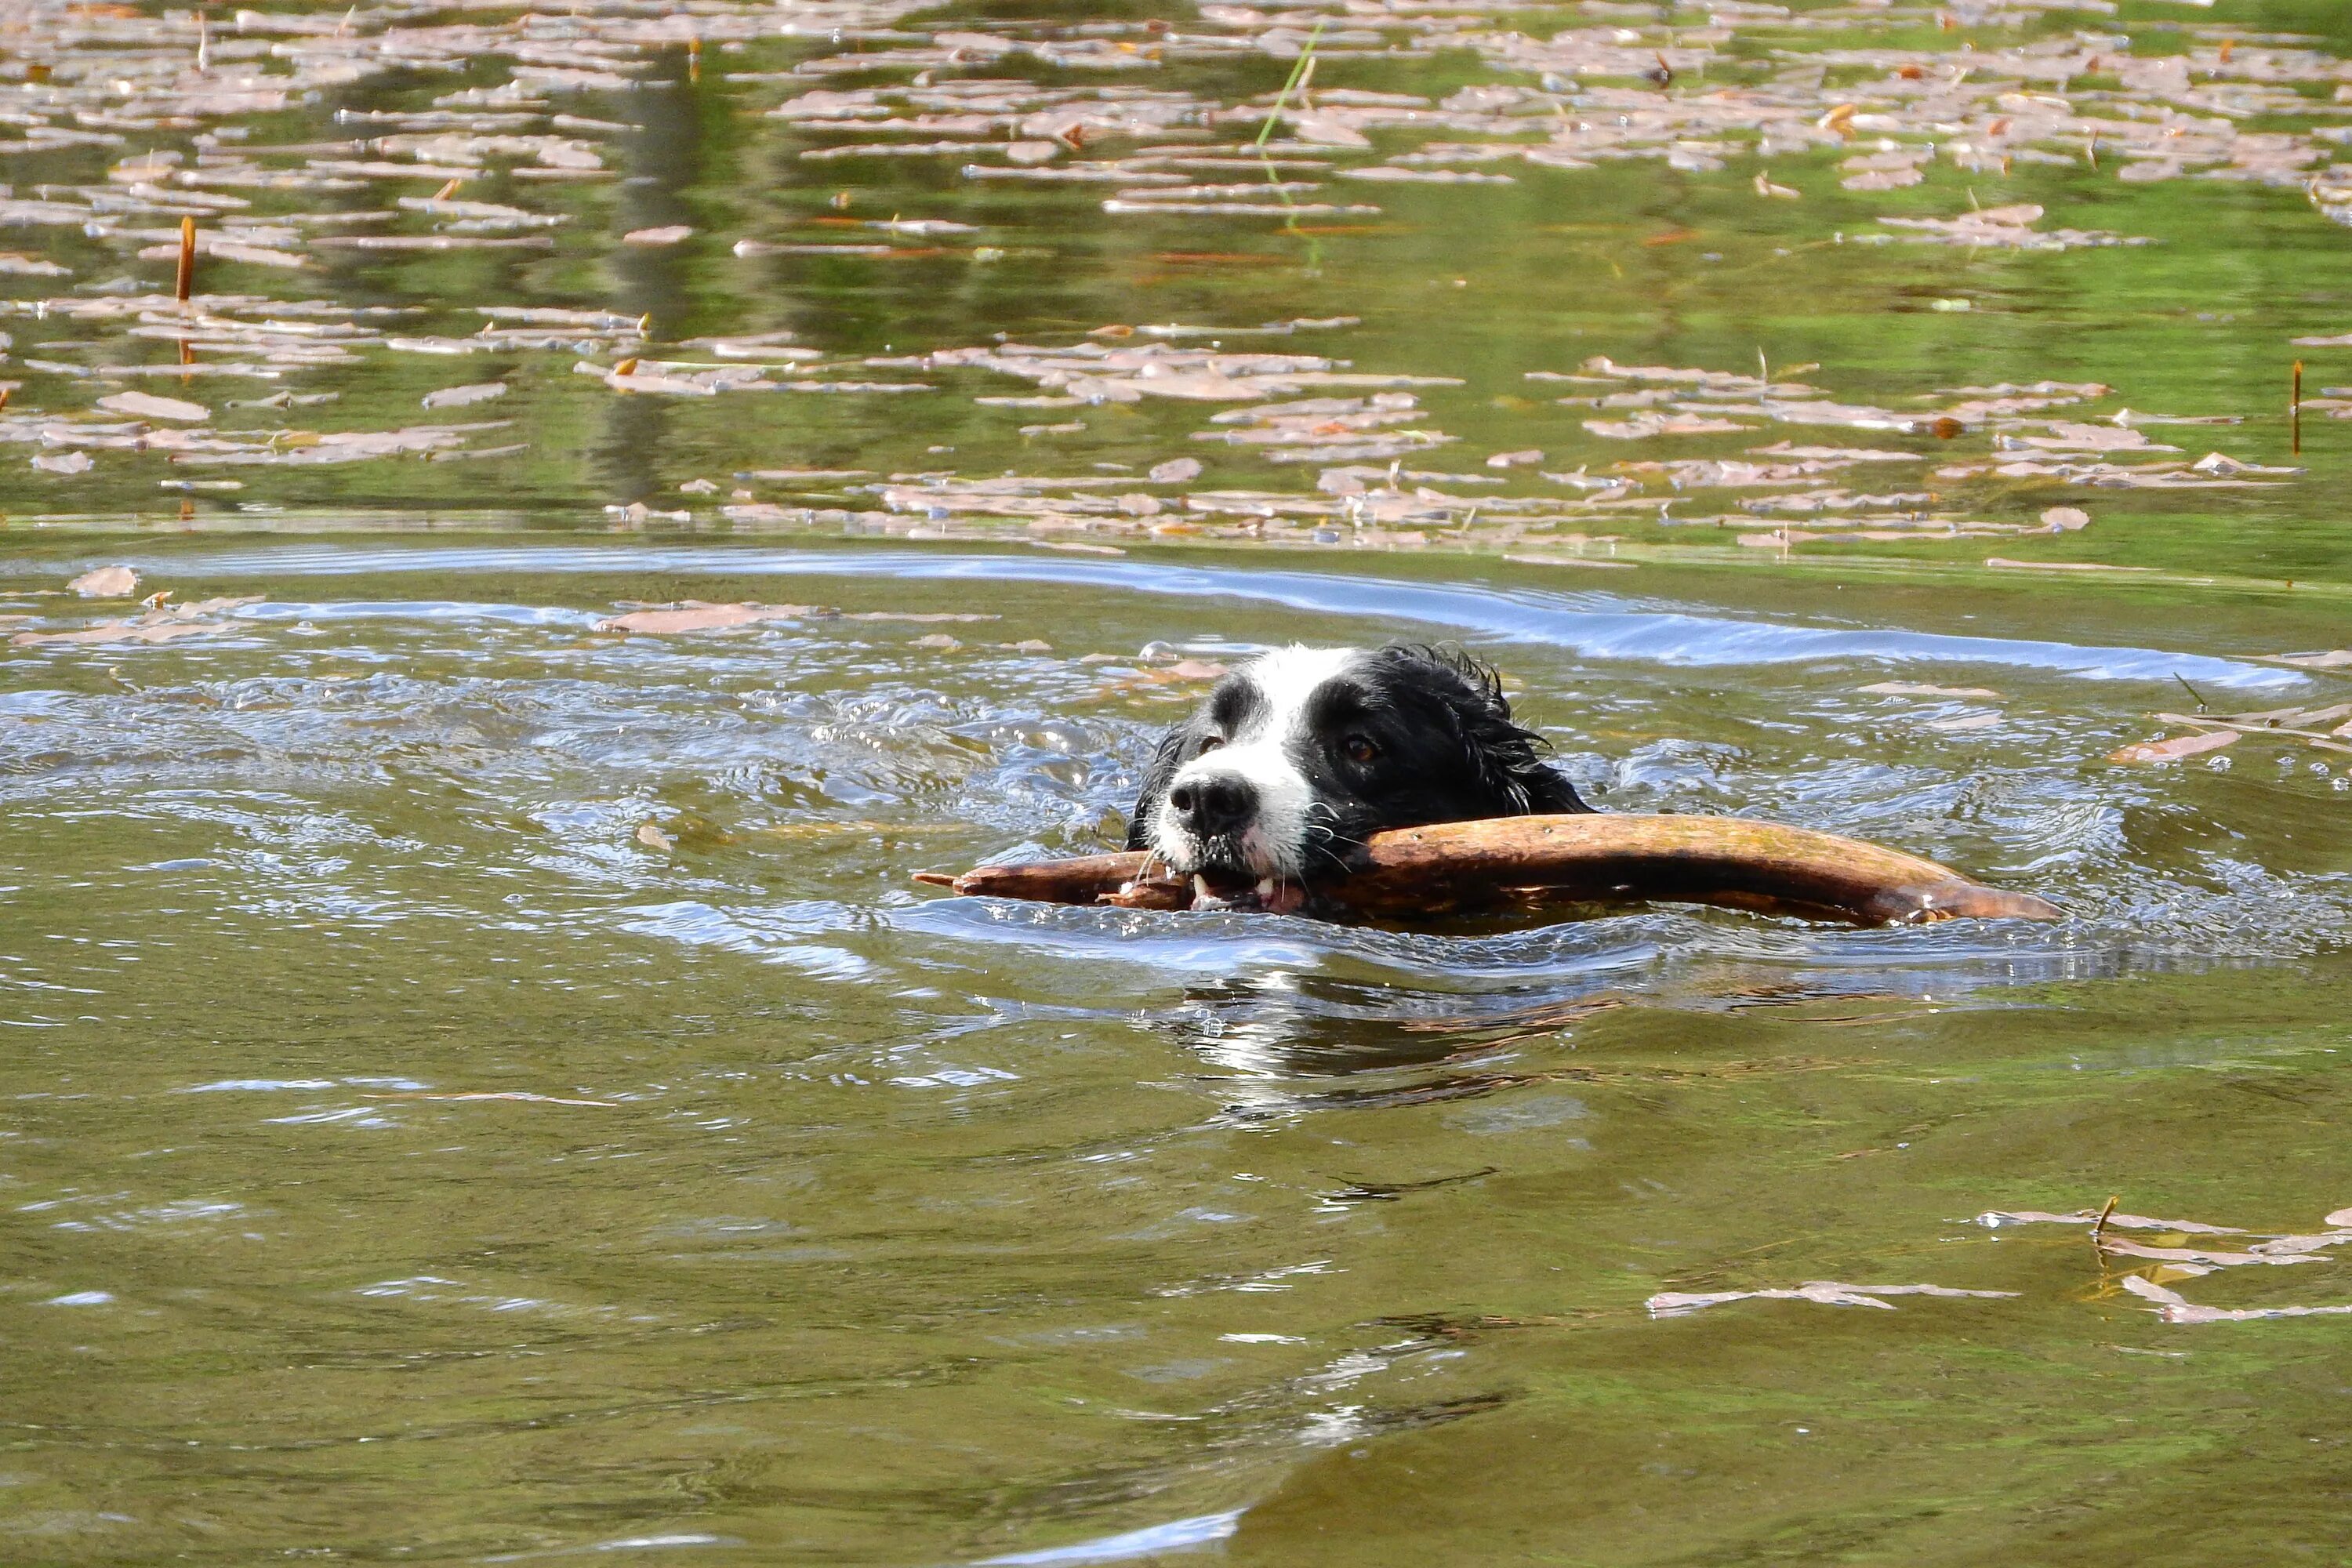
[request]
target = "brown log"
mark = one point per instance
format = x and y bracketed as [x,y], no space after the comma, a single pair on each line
[1527,862]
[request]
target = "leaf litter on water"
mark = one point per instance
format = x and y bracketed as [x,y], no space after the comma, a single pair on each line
[105,582]
[1101,102]
[160,624]
[2326,727]
[702,616]
[2167,1264]
[1679,1304]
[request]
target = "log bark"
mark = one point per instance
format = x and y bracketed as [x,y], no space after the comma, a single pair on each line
[1530,862]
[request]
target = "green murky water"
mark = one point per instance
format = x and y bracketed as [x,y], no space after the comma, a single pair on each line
[482,1087]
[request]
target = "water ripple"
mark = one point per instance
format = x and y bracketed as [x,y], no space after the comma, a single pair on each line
[1593,624]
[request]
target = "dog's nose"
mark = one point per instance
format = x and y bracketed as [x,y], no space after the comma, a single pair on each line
[1217,803]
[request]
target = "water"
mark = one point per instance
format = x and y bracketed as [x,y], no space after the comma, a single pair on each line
[482,1086]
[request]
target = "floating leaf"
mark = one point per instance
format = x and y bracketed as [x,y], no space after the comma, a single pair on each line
[157,625]
[122,632]
[106,583]
[2174,749]
[221,248]
[2003,563]
[2174,1308]
[147,406]
[459,396]
[1643,427]
[1993,1219]
[2123,1247]
[1679,1304]
[696,615]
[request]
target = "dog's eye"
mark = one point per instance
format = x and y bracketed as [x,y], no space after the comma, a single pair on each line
[1210,743]
[1360,749]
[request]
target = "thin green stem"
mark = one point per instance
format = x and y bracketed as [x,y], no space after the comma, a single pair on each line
[1281,98]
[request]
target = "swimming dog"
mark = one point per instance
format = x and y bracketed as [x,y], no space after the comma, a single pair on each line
[1301,753]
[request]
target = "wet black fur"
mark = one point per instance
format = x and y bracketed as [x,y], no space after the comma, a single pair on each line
[1449,749]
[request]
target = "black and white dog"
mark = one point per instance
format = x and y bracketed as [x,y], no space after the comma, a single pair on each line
[1301,753]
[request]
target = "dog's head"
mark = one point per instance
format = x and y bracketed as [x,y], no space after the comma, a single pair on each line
[1302,753]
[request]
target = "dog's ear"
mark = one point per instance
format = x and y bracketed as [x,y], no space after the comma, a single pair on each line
[1548,793]
[1509,761]
[1174,748]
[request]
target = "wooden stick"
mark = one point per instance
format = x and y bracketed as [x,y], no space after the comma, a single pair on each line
[187,278]
[2294,409]
[1528,862]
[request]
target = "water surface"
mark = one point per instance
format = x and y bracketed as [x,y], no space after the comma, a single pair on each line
[483,1086]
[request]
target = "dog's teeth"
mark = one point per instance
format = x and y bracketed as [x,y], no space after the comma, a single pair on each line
[1201,887]
[1265,889]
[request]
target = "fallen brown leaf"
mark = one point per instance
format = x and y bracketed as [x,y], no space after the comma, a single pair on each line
[106,583]
[2174,749]
[695,616]
[147,406]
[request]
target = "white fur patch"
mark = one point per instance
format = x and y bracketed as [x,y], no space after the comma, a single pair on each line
[1276,844]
